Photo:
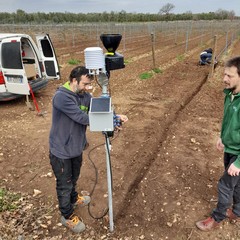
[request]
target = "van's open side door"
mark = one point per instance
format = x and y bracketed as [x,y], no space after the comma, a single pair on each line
[12,67]
[48,56]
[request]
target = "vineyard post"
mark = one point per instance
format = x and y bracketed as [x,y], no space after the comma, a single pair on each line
[202,34]
[124,38]
[176,33]
[97,36]
[73,38]
[186,47]
[232,38]
[213,56]
[226,46]
[153,49]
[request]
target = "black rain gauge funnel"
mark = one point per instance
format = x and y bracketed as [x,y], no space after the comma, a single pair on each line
[113,59]
[111,41]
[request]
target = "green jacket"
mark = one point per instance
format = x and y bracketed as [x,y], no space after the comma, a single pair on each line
[230,133]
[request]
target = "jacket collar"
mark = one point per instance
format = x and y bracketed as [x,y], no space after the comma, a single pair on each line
[228,92]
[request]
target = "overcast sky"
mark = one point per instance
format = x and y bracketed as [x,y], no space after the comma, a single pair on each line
[138,6]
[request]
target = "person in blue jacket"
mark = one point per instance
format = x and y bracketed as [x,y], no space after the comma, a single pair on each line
[67,141]
[206,56]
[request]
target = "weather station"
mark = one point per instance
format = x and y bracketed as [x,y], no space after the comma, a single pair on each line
[101,114]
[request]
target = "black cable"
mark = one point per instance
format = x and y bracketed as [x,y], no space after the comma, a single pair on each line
[95,168]
[95,183]
[96,174]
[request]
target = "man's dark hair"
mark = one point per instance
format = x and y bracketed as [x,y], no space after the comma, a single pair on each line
[234,62]
[78,72]
[209,50]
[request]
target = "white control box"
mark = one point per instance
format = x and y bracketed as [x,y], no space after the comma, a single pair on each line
[101,115]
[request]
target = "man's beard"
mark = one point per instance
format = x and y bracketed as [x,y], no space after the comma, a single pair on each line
[79,91]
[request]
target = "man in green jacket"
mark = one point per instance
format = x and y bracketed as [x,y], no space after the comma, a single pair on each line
[229,184]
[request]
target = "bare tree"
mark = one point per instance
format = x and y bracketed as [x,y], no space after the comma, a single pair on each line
[224,14]
[166,9]
[231,15]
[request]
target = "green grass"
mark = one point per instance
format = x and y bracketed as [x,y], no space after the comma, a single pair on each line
[8,200]
[148,75]
[180,58]
[73,62]
[157,70]
[145,75]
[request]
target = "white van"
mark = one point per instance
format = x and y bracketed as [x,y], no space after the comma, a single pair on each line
[25,65]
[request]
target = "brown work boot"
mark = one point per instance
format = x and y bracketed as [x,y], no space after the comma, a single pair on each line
[82,201]
[207,224]
[233,218]
[73,223]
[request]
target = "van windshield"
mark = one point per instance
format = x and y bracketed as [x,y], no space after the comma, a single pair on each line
[11,55]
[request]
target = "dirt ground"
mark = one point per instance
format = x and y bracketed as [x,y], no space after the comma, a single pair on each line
[165,165]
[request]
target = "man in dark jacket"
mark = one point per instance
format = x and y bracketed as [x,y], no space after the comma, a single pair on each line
[67,140]
[206,56]
[229,184]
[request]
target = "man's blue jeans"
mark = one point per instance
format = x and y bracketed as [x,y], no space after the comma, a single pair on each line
[228,191]
[67,172]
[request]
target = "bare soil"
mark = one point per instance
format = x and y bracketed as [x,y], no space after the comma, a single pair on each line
[165,165]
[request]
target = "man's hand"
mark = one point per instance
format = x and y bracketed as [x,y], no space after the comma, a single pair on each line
[123,118]
[220,145]
[119,119]
[233,171]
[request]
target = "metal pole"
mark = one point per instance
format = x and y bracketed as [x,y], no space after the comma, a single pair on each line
[176,32]
[213,56]
[226,46]
[186,47]
[109,181]
[153,49]
[124,39]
